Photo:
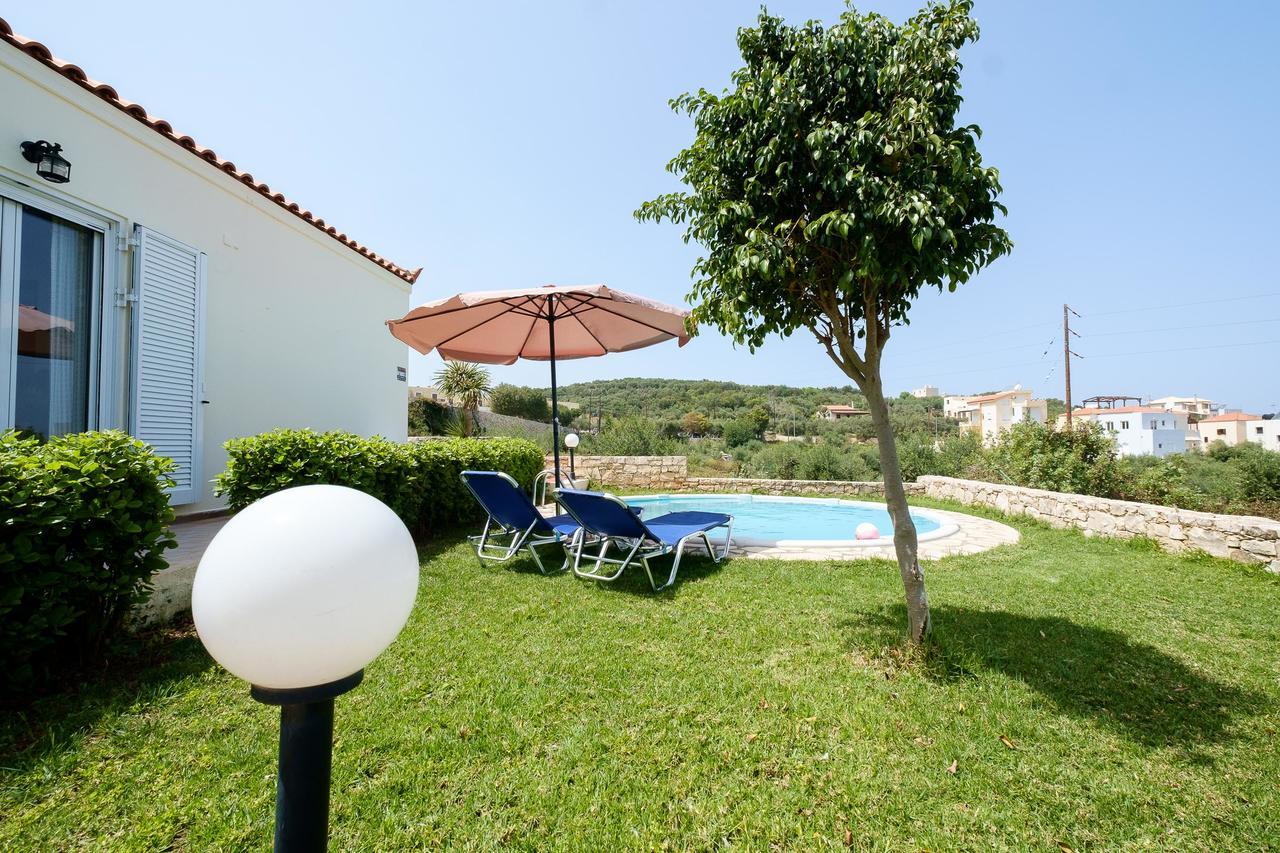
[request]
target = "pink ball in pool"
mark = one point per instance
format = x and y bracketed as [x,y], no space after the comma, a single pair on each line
[866,530]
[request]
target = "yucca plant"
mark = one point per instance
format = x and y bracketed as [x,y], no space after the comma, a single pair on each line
[466,384]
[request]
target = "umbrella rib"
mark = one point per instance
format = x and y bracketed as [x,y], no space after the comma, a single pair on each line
[471,329]
[633,320]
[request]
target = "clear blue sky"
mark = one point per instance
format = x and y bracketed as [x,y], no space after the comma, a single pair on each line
[506,145]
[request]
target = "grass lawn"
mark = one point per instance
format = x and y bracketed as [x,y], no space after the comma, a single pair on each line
[1081,694]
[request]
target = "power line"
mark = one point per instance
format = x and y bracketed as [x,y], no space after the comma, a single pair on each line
[1179,328]
[1181,304]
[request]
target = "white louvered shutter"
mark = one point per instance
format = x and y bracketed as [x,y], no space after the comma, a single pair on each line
[169,280]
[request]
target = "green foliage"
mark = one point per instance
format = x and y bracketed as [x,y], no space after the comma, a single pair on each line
[695,423]
[738,433]
[419,481]
[427,417]
[466,384]
[517,401]
[630,436]
[803,461]
[831,182]
[85,525]
[1040,456]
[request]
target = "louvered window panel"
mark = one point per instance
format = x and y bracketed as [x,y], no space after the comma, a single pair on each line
[169,282]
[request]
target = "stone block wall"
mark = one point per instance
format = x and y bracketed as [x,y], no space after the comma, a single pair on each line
[1247,539]
[826,488]
[630,472]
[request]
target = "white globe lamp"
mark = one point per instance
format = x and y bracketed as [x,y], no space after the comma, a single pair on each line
[296,594]
[571,442]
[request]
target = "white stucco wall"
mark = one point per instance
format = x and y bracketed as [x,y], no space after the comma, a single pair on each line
[1265,433]
[294,333]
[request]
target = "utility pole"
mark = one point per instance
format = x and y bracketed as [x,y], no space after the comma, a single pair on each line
[1066,354]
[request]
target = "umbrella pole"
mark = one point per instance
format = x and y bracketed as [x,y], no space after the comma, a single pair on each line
[555,406]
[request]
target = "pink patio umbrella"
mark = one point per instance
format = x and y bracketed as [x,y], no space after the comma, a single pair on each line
[542,323]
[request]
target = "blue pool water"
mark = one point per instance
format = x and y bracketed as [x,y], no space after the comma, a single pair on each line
[770,519]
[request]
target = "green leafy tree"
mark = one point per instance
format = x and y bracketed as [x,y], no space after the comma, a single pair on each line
[466,384]
[828,186]
[528,403]
[696,423]
[738,433]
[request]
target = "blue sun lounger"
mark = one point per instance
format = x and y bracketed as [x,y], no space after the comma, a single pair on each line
[512,514]
[607,518]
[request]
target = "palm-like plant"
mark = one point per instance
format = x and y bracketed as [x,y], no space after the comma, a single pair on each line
[467,384]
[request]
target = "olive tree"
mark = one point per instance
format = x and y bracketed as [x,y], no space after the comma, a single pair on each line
[830,184]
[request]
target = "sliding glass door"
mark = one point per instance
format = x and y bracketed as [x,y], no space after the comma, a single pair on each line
[50,294]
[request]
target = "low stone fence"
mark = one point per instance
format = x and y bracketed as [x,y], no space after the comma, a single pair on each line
[1247,539]
[630,472]
[828,488]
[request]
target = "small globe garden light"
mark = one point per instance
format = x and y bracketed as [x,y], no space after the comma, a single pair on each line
[50,164]
[571,442]
[296,594]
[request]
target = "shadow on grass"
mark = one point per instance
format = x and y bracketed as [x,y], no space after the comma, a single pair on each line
[142,670]
[1135,689]
[694,567]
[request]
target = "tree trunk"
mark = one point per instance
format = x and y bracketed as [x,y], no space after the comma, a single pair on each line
[905,541]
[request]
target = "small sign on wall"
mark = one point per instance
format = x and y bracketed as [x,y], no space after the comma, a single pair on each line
[402,374]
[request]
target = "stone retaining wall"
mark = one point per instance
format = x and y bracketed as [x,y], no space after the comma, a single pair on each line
[630,472]
[828,488]
[1247,539]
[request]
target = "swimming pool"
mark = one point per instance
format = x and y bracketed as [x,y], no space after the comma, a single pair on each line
[812,522]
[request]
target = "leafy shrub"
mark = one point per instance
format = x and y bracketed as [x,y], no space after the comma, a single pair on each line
[1080,460]
[738,433]
[517,401]
[85,520]
[419,481]
[630,436]
[427,417]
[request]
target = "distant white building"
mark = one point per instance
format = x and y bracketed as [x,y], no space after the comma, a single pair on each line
[1139,430]
[991,414]
[927,391]
[1191,405]
[1264,431]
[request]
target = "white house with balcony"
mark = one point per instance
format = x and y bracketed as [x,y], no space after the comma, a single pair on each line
[1194,406]
[149,285]
[1138,430]
[991,414]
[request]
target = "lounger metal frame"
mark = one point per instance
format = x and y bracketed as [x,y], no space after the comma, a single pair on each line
[638,551]
[496,552]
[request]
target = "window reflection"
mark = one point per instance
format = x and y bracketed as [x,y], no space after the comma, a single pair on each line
[55,304]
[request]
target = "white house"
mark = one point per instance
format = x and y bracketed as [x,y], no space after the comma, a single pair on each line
[1191,405]
[1139,430]
[991,414]
[147,284]
[927,391]
[1264,431]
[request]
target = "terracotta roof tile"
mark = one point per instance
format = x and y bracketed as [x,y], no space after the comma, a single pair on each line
[1231,416]
[76,74]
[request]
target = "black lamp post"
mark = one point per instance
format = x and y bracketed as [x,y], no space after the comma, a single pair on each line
[306,760]
[50,164]
[296,594]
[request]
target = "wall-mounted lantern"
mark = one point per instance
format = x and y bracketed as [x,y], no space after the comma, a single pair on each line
[50,164]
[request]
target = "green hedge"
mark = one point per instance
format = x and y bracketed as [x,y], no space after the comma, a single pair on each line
[418,480]
[84,524]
